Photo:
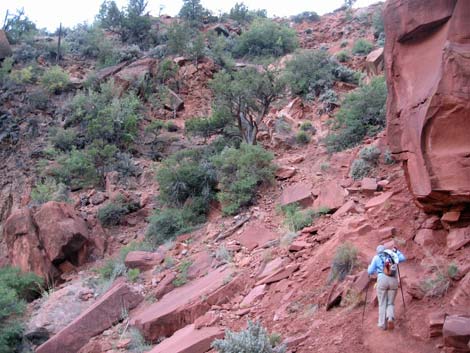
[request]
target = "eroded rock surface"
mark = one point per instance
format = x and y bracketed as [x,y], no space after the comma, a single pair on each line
[427,59]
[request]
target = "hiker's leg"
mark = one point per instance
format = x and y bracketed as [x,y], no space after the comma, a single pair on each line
[382,298]
[391,294]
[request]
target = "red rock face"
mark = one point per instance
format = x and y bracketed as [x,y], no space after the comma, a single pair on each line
[40,242]
[427,59]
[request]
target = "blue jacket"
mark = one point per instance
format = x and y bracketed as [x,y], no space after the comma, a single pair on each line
[377,265]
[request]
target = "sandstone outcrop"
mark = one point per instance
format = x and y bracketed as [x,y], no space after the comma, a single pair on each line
[5,49]
[97,318]
[41,241]
[427,60]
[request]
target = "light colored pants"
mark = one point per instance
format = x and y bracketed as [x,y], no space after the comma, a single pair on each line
[386,292]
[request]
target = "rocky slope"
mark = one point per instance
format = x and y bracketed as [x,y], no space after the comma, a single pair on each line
[249,267]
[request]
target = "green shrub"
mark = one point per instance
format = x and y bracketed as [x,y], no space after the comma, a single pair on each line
[254,339]
[76,169]
[362,47]
[206,127]
[306,126]
[55,80]
[302,138]
[106,116]
[112,213]
[344,262]
[23,76]
[179,36]
[344,44]
[49,190]
[133,275]
[138,343]
[362,114]
[239,172]
[310,72]
[182,275]
[295,218]
[16,287]
[18,27]
[306,16]
[5,68]
[343,56]
[329,101]
[193,12]
[223,255]
[370,154]
[388,158]
[378,23]
[360,169]
[266,38]
[165,225]
[63,139]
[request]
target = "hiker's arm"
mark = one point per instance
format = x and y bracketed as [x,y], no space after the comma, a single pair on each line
[372,267]
[400,255]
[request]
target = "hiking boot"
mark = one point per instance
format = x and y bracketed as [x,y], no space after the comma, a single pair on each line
[382,327]
[390,325]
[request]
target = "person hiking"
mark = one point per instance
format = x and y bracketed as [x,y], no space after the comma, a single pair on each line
[385,263]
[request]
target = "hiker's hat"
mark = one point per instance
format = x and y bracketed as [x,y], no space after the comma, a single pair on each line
[380,249]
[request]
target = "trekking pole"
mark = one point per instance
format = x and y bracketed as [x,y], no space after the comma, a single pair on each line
[365,302]
[401,289]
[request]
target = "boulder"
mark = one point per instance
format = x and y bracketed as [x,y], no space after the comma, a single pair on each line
[97,318]
[5,49]
[172,101]
[458,238]
[331,196]
[375,62]
[427,57]
[461,296]
[272,267]
[379,200]
[298,245]
[143,260]
[135,72]
[255,294]
[109,71]
[450,217]
[297,193]
[189,340]
[280,274]
[255,235]
[456,332]
[200,264]
[56,311]
[436,323]
[349,207]
[185,304]
[369,185]
[429,237]
[40,242]
[284,172]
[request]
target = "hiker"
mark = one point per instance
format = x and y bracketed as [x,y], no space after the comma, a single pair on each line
[385,265]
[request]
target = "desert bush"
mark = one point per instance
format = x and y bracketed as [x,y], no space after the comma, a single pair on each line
[16,287]
[307,126]
[362,114]
[360,169]
[265,38]
[49,190]
[254,339]
[223,255]
[63,139]
[193,12]
[23,76]
[105,115]
[310,72]
[306,16]
[239,172]
[206,127]
[112,213]
[370,154]
[440,281]
[296,219]
[362,47]
[378,23]
[329,101]
[38,98]
[76,169]
[138,343]
[388,157]
[133,274]
[179,36]
[165,225]
[5,69]
[182,275]
[344,261]
[302,138]
[344,74]
[343,56]
[55,80]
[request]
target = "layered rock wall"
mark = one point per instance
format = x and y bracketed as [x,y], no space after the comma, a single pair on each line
[427,59]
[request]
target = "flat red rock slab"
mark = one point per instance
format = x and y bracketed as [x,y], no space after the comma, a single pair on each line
[280,274]
[185,304]
[379,200]
[301,193]
[189,340]
[255,235]
[97,318]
